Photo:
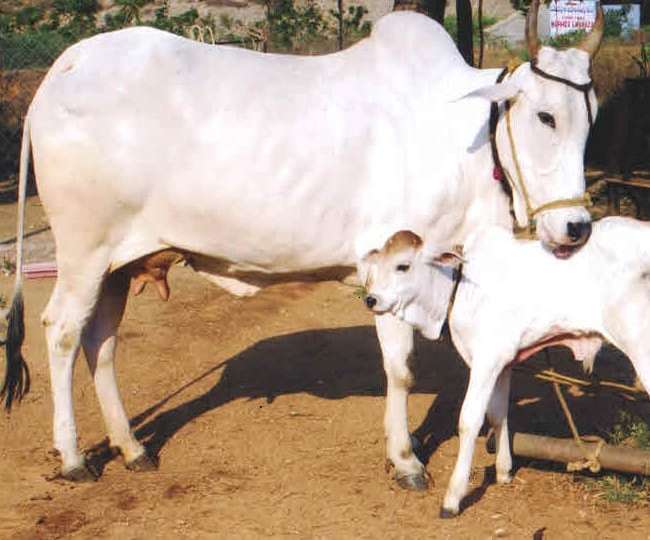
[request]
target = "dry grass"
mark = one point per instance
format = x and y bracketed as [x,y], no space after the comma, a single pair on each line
[610,68]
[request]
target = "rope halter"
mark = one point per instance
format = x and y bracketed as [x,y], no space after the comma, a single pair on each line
[529,231]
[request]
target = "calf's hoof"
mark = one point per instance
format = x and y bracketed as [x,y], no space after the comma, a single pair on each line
[413,482]
[445,513]
[491,443]
[504,478]
[143,463]
[83,473]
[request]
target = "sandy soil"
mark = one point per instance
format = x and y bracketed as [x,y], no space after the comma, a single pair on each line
[266,414]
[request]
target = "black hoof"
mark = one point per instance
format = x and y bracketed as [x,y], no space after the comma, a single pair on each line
[491,444]
[143,463]
[415,443]
[83,473]
[447,514]
[413,482]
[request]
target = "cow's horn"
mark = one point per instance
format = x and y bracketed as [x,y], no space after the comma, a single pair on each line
[531,29]
[592,40]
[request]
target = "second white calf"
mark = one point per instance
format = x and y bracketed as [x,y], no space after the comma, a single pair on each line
[514,299]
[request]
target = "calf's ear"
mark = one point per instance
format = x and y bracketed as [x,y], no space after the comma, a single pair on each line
[452,258]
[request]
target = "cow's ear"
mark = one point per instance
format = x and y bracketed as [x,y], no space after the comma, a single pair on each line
[496,92]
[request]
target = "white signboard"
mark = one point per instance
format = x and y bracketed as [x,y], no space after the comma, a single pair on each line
[571,16]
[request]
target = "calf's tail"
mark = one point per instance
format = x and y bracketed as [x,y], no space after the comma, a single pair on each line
[17,381]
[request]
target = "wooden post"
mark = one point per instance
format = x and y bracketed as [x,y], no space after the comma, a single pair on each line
[464,24]
[616,458]
[339,4]
[437,10]
[481,36]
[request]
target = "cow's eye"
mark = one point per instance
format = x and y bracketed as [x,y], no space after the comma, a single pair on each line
[403,267]
[546,119]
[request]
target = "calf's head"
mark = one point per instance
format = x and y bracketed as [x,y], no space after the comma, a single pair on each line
[411,281]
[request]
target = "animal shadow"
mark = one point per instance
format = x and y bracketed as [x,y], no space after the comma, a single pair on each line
[338,363]
[330,364]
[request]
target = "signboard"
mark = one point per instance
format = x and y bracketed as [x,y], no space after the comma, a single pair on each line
[571,16]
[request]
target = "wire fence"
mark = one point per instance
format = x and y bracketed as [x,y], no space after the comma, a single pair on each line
[24,60]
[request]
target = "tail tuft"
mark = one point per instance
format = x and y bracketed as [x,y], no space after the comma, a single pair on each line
[17,380]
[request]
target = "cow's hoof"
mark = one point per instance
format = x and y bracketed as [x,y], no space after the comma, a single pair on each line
[413,482]
[446,513]
[143,463]
[82,473]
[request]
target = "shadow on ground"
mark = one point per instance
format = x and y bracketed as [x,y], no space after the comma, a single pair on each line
[337,363]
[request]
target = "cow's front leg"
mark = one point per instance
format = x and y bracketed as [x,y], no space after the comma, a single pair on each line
[396,341]
[483,377]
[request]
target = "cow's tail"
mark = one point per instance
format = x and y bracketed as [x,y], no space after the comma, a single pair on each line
[17,381]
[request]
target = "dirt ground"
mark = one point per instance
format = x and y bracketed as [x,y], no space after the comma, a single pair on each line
[266,414]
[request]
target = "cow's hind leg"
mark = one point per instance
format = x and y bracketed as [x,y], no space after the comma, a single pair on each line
[99,340]
[396,340]
[497,414]
[70,307]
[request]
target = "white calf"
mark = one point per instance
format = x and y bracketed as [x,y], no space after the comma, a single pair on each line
[515,299]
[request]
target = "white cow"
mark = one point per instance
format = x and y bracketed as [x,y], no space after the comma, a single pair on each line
[259,167]
[515,299]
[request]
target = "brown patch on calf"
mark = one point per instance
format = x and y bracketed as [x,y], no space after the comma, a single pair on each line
[153,269]
[401,240]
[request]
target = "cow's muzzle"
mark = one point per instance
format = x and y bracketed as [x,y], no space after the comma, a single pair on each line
[579,231]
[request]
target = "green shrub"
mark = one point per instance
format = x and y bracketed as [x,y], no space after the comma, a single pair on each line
[564,41]
[614,21]
[34,49]
[630,429]
[354,27]
[451,25]
[290,24]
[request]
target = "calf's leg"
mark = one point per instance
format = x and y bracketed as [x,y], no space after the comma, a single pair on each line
[396,341]
[483,377]
[497,414]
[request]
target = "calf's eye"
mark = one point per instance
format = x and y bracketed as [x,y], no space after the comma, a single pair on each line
[403,267]
[546,119]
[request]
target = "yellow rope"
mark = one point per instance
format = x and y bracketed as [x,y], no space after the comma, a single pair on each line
[590,461]
[528,232]
[591,458]
[548,375]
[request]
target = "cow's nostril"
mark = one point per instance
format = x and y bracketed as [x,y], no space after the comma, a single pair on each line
[371,301]
[578,230]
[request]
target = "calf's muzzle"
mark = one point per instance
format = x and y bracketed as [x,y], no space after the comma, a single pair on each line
[371,301]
